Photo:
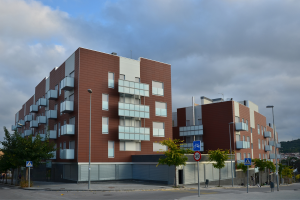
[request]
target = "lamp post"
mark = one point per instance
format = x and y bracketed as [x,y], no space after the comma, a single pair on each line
[275,146]
[90,91]
[231,154]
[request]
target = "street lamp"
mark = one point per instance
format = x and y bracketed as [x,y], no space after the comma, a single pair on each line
[231,154]
[90,91]
[275,146]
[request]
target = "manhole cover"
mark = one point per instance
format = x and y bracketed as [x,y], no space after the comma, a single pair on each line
[107,195]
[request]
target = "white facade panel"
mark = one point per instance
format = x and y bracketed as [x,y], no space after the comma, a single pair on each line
[47,84]
[130,68]
[236,109]
[198,115]
[130,146]
[189,114]
[159,147]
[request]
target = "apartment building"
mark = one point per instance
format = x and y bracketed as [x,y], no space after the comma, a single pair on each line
[216,121]
[130,113]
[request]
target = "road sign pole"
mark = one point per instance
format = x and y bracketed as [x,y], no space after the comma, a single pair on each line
[28,176]
[198,179]
[247,177]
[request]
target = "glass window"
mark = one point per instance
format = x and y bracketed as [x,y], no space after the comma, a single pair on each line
[258,143]
[60,88]
[104,125]
[258,129]
[56,88]
[55,107]
[259,156]
[122,76]
[72,74]
[237,119]
[238,156]
[59,129]
[244,155]
[72,145]
[65,145]
[157,88]
[160,109]
[249,155]
[111,153]
[158,129]
[237,137]
[111,80]
[104,101]
[244,138]
[72,121]
[248,139]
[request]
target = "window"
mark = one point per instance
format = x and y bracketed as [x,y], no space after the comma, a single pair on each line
[65,145]
[262,144]
[188,123]
[244,155]
[157,88]
[55,107]
[111,153]
[61,107]
[137,79]
[72,74]
[248,139]
[158,129]
[60,88]
[55,128]
[258,143]
[259,156]
[263,156]
[56,88]
[71,97]
[199,121]
[104,125]
[122,76]
[244,138]
[58,129]
[72,121]
[258,129]
[243,120]
[237,119]
[249,155]
[237,137]
[238,156]
[111,80]
[104,101]
[72,145]
[160,109]
[247,124]
[251,130]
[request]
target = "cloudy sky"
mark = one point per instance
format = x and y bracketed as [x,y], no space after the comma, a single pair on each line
[246,50]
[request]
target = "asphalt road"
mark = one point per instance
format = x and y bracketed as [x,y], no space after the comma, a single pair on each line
[286,192]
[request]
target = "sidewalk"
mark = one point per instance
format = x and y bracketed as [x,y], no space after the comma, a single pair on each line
[129,185]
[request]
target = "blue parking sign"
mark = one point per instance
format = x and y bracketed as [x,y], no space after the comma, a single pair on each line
[197,145]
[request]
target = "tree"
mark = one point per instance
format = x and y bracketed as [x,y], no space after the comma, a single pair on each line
[244,168]
[219,156]
[270,166]
[261,164]
[174,155]
[19,150]
[287,172]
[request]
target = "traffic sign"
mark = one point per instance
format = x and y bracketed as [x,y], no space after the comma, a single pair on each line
[197,145]
[29,164]
[197,156]
[247,161]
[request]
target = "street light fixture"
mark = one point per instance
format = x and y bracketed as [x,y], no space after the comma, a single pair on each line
[231,154]
[271,106]
[90,91]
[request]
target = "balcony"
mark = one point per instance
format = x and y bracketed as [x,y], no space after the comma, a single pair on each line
[242,145]
[28,132]
[34,124]
[43,136]
[22,122]
[42,102]
[68,129]
[34,108]
[191,130]
[133,110]
[54,155]
[134,88]
[267,134]
[67,106]
[240,126]
[190,146]
[28,118]
[134,133]
[161,112]
[66,154]
[278,145]
[268,148]
[51,114]
[272,156]
[52,94]
[272,143]
[42,119]
[13,128]
[18,126]
[67,83]
[52,134]
[22,135]
[157,91]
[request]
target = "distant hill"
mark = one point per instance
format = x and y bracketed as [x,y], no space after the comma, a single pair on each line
[290,146]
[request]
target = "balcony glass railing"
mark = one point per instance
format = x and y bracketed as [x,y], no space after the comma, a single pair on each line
[157,91]
[52,134]
[111,83]
[158,132]
[66,154]
[67,83]
[67,106]
[21,122]
[278,145]
[104,105]
[68,129]
[34,124]
[22,135]
[52,94]
[104,129]
[272,143]
[191,130]
[268,148]
[134,133]
[51,114]
[190,146]
[242,145]
[13,128]
[134,88]
[28,132]
[241,126]
[42,102]
[160,112]
[42,119]
[54,155]
[267,134]
[28,118]
[272,156]
[34,108]
[134,110]
[43,136]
